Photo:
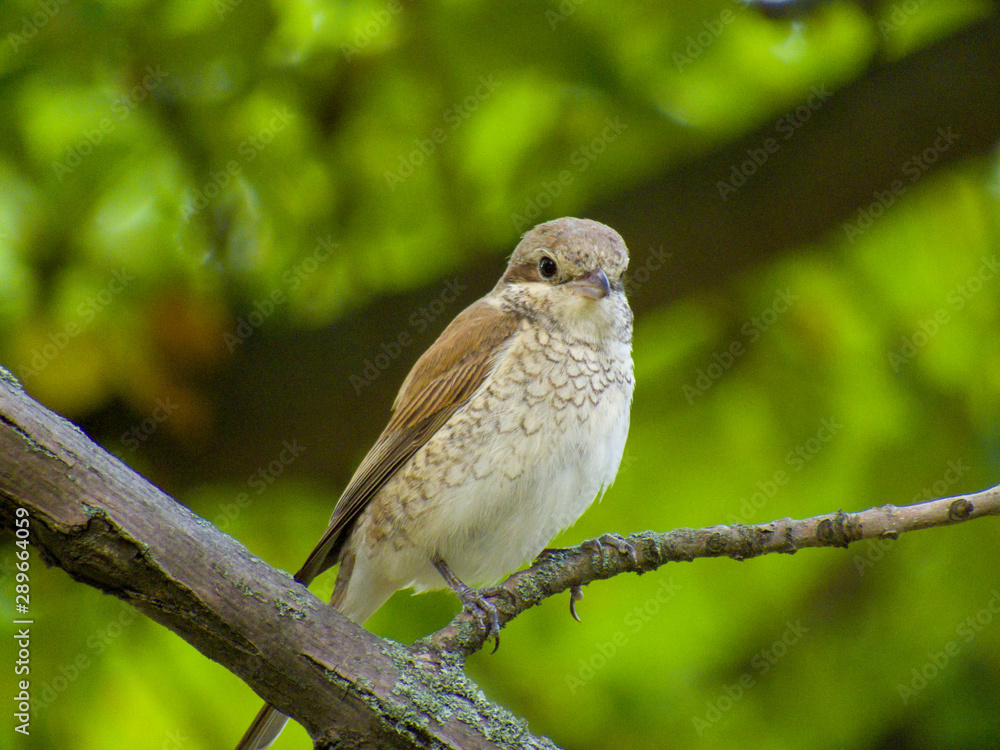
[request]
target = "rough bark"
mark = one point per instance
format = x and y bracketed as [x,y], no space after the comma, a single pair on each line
[108,527]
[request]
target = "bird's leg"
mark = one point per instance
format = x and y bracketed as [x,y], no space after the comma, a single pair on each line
[472,599]
[612,540]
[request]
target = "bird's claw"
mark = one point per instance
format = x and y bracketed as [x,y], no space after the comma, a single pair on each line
[575,595]
[617,541]
[476,604]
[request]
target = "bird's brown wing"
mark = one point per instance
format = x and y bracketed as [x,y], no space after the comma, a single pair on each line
[440,383]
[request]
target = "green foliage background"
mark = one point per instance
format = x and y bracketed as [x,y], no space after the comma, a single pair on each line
[167,168]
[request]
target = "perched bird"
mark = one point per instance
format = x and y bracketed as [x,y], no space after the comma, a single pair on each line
[503,433]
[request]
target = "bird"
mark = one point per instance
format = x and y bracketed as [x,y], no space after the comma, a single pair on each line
[504,432]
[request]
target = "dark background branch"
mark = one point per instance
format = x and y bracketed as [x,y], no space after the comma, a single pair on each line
[856,143]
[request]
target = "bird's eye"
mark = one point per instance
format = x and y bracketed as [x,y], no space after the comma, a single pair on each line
[547,267]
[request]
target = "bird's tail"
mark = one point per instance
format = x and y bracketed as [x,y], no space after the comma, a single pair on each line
[357,604]
[264,730]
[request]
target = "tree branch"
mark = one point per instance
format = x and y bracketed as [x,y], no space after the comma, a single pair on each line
[559,570]
[108,527]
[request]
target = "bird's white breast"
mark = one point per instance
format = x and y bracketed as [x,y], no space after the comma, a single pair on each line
[540,439]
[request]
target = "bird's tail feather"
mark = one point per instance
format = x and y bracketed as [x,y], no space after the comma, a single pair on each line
[269,722]
[264,730]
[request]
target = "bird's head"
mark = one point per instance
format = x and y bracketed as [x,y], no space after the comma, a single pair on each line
[570,271]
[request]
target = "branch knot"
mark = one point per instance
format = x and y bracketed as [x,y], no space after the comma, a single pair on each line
[960,510]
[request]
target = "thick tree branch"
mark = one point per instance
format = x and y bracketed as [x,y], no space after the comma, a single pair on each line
[108,527]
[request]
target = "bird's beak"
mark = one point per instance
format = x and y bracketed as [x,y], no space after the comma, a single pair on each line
[594,285]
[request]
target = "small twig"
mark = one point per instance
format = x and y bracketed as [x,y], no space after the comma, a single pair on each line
[559,570]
